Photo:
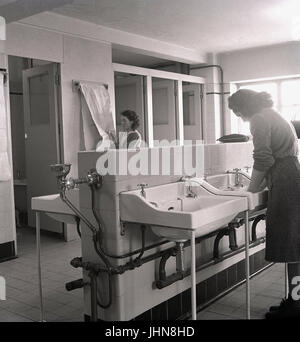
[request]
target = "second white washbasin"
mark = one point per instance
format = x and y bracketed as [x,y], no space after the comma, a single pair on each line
[227,184]
[173,215]
[54,206]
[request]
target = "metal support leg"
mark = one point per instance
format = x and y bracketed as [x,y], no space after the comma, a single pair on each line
[286,280]
[247,268]
[94,312]
[38,246]
[193,277]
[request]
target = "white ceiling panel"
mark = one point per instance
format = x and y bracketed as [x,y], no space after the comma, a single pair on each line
[210,25]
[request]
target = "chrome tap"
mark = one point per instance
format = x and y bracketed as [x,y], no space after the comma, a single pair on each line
[237,182]
[188,180]
[142,186]
[64,183]
[247,168]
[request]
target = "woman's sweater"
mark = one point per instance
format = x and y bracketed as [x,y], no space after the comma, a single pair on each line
[273,137]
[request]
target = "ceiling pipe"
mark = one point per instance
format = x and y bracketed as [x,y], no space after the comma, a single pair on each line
[221,91]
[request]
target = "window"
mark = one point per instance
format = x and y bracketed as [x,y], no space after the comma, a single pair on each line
[290,107]
[285,95]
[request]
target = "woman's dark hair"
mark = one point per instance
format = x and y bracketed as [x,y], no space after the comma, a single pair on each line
[132,117]
[248,102]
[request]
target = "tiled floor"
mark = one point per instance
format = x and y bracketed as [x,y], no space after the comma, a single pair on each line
[22,304]
[266,288]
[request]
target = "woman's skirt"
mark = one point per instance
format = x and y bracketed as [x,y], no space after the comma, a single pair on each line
[283,212]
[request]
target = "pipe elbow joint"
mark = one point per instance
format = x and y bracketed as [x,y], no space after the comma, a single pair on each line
[76,262]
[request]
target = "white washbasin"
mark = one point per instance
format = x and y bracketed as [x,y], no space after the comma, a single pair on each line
[54,207]
[224,184]
[173,215]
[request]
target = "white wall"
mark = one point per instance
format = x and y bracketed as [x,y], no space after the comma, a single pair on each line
[83,60]
[274,61]
[29,42]
[270,61]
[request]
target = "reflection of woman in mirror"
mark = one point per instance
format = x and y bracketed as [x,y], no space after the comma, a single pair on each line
[129,136]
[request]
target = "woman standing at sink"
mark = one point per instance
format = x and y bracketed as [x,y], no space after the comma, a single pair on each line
[275,165]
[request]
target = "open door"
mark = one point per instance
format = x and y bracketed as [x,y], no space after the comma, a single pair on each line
[42,136]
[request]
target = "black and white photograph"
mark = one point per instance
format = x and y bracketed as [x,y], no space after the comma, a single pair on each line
[149,164]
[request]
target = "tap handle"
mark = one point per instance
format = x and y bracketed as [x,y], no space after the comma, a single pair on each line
[205,175]
[185,178]
[61,170]
[142,185]
[236,169]
[93,178]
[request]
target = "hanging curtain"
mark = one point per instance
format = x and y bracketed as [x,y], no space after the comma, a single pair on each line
[5,169]
[96,114]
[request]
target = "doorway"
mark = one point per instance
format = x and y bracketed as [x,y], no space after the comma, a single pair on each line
[36,136]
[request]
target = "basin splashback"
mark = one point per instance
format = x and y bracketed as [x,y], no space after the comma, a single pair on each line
[229,181]
[221,157]
[164,193]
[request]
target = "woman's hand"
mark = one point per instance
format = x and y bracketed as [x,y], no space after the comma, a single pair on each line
[112,136]
[258,182]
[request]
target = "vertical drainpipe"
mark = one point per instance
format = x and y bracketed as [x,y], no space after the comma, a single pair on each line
[221,91]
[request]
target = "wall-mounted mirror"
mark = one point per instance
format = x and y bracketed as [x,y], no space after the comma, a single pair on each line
[192,111]
[129,94]
[171,106]
[164,110]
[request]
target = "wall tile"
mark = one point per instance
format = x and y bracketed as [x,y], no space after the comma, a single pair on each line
[232,275]
[174,308]
[186,301]
[201,293]
[211,287]
[222,281]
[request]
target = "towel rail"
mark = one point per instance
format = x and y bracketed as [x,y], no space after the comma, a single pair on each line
[76,84]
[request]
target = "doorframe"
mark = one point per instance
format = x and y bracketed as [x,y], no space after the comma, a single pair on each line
[59,122]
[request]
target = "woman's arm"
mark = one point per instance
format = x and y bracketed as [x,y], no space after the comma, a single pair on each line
[112,137]
[258,182]
[262,154]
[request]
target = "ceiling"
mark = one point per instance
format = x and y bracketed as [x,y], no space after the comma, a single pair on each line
[204,26]
[210,25]
[14,10]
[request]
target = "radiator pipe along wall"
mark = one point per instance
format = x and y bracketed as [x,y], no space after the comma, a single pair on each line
[164,281]
[221,90]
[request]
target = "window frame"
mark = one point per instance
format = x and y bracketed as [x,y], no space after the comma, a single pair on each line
[277,81]
[178,78]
